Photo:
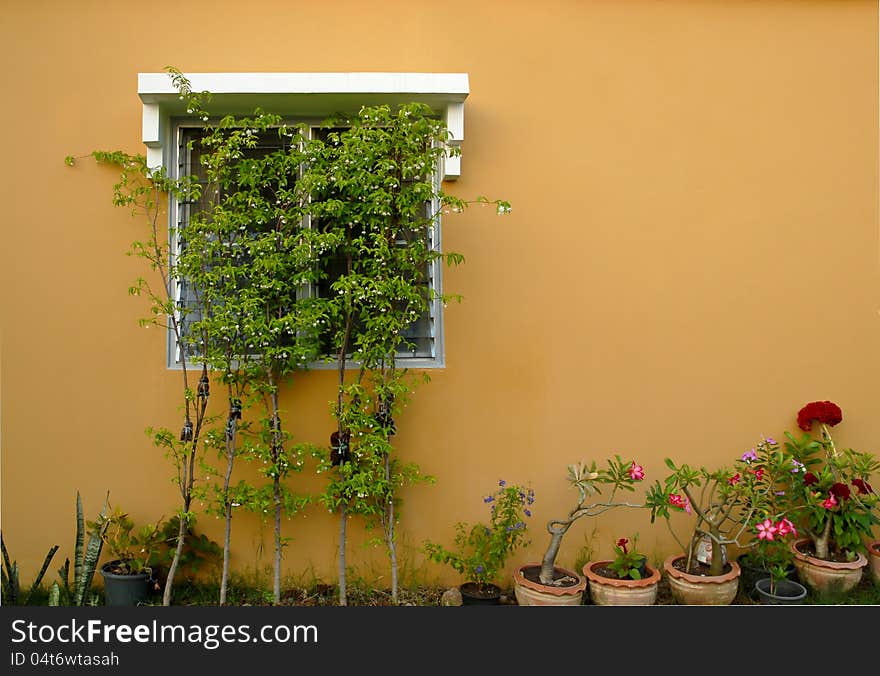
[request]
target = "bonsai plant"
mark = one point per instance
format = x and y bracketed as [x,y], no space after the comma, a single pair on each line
[831,501]
[547,584]
[481,550]
[626,580]
[723,504]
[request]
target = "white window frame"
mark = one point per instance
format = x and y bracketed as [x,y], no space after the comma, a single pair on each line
[306,97]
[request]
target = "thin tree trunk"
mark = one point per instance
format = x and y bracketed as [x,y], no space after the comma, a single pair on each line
[343,599]
[227,506]
[389,532]
[186,488]
[277,450]
[172,570]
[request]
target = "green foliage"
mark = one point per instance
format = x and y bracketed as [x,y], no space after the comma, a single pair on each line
[198,554]
[481,550]
[361,200]
[724,504]
[134,550]
[78,592]
[11,578]
[628,561]
[829,494]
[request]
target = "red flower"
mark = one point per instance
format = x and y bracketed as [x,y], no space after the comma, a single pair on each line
[840,490]
[622,544]
[734,480]
[826,412]
[863,486]
[810,479]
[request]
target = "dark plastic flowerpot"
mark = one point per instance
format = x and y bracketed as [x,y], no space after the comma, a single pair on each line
[786,593]
[124,590]
[751,573]
[473,594]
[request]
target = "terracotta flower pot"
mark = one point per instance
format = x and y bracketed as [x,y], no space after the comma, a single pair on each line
[610,591]
[530,592]
[701,590]
[826,576]
[874,560]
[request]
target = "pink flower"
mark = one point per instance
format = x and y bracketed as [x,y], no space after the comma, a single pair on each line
[734,480]
[830,503]
[785,527]
[636,472]
[766,530]
[681,502]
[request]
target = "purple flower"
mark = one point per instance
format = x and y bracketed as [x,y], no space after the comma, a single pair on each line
[771,441]
[797,466]
[527,512]
[749,455]
[488,499]
[502,483]
[479,569]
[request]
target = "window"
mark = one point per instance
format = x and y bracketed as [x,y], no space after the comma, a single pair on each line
[305,96]
[420,338]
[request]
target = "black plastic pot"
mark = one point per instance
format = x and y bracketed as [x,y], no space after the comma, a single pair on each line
[473,594]
[751,573]
[124,590]
[786,593]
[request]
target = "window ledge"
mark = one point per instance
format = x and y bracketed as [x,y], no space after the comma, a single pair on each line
[302,95]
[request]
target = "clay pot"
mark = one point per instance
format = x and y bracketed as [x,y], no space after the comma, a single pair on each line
[701,590]
[874,560]
[826,576]
[609,591]
[531,593]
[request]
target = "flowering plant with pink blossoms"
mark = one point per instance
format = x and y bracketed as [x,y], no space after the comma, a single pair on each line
[723,504]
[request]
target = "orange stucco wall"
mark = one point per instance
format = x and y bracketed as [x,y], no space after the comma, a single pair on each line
[692,253]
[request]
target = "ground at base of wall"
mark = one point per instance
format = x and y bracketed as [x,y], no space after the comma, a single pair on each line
[207,594]
[866,593]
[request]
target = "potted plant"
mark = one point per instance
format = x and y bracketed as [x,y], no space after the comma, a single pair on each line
[832,502]
[774,554]
[874,560]
[128,576]
[626,580]
[722,505]
[481,550]
[545,583]
[766,555]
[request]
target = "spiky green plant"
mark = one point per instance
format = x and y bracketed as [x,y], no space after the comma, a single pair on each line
[11,576]
[86,555]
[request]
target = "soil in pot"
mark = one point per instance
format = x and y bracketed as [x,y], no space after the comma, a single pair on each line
[566,589]
[473,594]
